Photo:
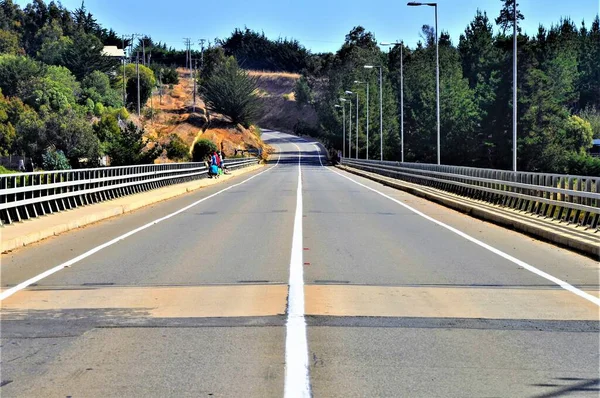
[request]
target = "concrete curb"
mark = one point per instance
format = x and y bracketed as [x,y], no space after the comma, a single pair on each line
[137,203]
[589,247]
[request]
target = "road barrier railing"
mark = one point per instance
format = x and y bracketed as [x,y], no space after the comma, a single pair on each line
[568,198]
[29,195]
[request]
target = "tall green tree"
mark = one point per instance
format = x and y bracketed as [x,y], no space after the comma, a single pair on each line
[232,92]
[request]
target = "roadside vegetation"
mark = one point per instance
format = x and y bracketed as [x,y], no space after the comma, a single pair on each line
[59,93]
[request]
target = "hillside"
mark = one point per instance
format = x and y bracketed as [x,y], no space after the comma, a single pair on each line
[280,110]
[174,114]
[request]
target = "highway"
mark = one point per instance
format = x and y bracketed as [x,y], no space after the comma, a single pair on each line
[299,279]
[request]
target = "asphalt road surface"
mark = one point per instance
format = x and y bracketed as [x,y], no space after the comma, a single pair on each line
[299,279]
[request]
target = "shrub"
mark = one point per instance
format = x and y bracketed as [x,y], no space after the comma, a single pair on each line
[232,92]
[177,149]
[55,160]
[130,147]
[302,91]
[98,109]
[203,148]
[165,74]
[585,165]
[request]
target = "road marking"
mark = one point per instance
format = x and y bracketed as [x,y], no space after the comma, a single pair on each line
[297,382]
[499,252]
[23,285]
[528,267]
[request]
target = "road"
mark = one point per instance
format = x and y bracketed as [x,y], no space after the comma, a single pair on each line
[355,288]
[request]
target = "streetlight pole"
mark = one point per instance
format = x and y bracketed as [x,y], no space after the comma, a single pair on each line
[380,107]
[350,130]
[343,100]
[367,84]
[437,70]
[401,44]
[344,119]
[356,126]
[515,90]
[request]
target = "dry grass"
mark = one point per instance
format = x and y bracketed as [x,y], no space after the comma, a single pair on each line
[273,75]
[175,116]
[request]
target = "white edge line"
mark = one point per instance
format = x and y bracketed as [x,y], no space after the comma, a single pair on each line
[9,292]
[528,267]
[297,382]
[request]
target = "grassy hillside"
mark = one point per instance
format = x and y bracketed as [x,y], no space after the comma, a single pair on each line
[280,110]
[177,116]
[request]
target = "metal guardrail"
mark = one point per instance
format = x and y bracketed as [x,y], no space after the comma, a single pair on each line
[28,195]
[572,199]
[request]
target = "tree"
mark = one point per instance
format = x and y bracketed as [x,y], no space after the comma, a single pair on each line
[507,16]
[130,147]
[9,42]
[17,74]
[84,56]
[7,128]
[96,86]
[53,44]
[147,82]
[232,92]
[85,21]
[578,135]
[302,91]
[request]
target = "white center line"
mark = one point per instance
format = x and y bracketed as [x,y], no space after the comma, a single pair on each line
[297,382]
[9,292]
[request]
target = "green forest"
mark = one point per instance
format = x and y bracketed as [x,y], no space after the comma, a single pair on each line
[558,95]
[60,97]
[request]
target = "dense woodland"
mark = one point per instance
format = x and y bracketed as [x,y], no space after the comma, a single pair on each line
[58,93]
[558,95]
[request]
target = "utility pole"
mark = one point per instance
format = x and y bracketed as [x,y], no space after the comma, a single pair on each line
[144,50]
[160,84]
[124,55]
[194,78]
[187,41]
[137,67]
[202,53]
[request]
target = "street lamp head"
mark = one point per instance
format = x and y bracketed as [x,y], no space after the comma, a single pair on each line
[349,92]
[337,106]
[358,82]
[414,3]
[343,99]
[387,43]
[368,67]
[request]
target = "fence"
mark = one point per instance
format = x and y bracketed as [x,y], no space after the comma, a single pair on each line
[27,195]
[572,199]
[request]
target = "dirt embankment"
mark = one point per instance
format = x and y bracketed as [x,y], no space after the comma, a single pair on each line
[172,112]
[280,110]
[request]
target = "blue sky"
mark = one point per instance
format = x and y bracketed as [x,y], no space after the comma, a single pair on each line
[320,25]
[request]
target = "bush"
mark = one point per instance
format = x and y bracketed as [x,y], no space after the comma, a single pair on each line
[165,74]
[55,160]
[203,148]
[584,165]
[231,92]
[177,150]
[130,147]
[302,91]
[98,109]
